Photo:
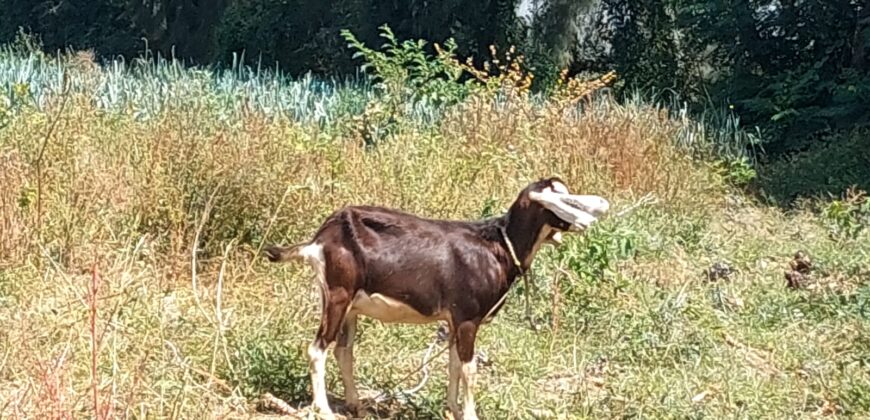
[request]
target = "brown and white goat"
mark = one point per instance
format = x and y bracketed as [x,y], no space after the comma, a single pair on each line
[400,268]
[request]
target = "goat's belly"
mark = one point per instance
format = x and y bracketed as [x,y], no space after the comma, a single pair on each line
[387,309]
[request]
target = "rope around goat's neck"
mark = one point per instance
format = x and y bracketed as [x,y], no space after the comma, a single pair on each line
[510,247]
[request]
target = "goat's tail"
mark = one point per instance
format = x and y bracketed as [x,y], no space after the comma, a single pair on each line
[280,254]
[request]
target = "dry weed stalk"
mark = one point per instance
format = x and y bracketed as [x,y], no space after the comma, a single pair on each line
[38,163]
[101,411]
[13,199]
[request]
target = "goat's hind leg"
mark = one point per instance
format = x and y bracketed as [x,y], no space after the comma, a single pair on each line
[344,356]
[335,303]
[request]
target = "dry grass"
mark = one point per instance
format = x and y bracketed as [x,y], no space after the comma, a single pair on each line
[107,309]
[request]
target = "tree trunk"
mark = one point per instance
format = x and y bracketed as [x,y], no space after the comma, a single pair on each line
[861,39]
[187,26]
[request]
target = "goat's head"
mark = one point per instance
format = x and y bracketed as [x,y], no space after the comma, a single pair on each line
[549,204]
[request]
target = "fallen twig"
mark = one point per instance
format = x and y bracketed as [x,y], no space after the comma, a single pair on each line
[274,403]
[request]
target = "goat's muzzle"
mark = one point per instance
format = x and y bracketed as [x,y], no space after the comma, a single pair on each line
[580,211]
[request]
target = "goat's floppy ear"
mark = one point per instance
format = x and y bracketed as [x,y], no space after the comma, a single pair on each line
[578,210]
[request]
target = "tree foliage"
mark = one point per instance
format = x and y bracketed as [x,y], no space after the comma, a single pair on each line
[81,24]
[793,68]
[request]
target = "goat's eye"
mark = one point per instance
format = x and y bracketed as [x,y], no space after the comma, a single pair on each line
[561,224]
[558,188]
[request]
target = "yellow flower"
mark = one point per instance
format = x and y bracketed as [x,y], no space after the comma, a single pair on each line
[20,90]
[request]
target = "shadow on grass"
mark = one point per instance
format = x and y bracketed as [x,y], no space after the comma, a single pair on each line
[828,169]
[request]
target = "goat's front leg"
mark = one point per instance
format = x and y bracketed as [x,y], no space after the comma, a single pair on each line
[453,371]
[466,334]
[344,356]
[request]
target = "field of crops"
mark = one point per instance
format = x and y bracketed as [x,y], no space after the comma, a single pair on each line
[135,198]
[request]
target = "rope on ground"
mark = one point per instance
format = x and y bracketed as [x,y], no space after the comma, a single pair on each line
[441,336]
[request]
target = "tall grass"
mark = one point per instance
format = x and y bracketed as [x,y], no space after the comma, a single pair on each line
[150,86]
[130,274]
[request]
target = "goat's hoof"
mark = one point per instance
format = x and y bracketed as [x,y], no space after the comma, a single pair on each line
[457,414]
[323,413]
[355,410]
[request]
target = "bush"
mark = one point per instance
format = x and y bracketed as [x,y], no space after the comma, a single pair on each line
[849,216]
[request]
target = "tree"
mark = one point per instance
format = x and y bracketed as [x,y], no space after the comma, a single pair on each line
[303,35]
[556,27]
[183,28]
[861,39]
[77,24]
[794,68]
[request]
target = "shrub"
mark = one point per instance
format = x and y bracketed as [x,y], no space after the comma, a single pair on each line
[847,217]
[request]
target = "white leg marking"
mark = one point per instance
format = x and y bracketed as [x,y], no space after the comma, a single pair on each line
[316,356]
[314,255]
[317,360]
[454,367]
[344,355]
[312,251]
[469,370]
[317,365]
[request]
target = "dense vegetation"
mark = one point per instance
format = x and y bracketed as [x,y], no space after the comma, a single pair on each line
[797,70]
[136,191]
[134,199]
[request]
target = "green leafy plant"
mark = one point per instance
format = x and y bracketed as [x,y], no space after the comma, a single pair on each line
[5,115]
[404,74]
[594,254]
[16,97]
[738,172]
[846,218]
[404,70]
[490,207]
[689,233]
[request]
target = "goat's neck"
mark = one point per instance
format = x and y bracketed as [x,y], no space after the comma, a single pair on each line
[526,239]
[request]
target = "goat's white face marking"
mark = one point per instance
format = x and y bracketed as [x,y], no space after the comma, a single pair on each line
[580,211]
[560,187]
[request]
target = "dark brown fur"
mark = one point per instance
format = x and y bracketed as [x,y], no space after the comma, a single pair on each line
[461,267]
